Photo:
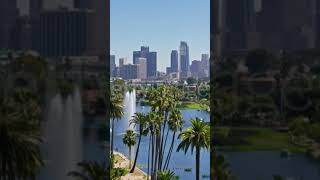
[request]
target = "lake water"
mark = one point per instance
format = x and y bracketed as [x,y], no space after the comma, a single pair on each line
[263,165]
[179,161]
[245,165]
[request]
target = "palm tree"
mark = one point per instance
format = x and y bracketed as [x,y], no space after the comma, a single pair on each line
[197,136]
[20,136]
[140,120]
[129,139]
[175,124]
[90,171]
[166,175]
[116,112]
[221,168]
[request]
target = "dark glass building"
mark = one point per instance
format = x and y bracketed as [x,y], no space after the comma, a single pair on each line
[152,65]
[174,61]
[64,33]
[184,60]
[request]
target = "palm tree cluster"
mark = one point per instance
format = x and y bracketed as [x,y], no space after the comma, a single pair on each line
[20,136]
[116,112]
[156,125]
[163,118]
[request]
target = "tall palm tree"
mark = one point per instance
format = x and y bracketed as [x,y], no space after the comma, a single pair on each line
[166,175]
[20,136]
[116,112]
[175,124]
[197,136]
[90,171]
[221,168]
[129,139]
[140,120]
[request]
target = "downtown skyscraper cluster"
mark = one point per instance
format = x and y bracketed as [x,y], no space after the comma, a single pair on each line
[180,64]
[144,65]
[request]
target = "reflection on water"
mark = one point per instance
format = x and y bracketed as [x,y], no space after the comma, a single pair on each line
[62,147]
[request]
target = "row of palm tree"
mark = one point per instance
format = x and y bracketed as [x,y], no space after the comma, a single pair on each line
[156,125]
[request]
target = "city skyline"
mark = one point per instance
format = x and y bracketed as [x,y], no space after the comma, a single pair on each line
[162,32]
[133,60]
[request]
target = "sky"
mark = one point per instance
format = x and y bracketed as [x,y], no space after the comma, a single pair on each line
[161,25]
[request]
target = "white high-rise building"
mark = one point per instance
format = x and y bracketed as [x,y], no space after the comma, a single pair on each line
[142,69]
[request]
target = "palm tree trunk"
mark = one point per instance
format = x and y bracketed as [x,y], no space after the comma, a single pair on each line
[157,154]
[170,150]
[149,158]
[129,157]
[197,163]
[152,156]
[136,157]
[112,135]
[164,148]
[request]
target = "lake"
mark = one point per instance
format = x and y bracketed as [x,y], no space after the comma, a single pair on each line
[245,165]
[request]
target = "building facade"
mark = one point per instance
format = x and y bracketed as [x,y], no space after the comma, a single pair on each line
[174,61]
[184,60]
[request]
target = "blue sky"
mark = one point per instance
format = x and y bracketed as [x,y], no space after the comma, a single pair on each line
[161,25]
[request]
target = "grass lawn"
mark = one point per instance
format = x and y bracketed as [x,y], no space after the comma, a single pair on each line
[259,139]
[184,105]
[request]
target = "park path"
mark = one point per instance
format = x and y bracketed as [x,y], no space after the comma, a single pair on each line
[138,174]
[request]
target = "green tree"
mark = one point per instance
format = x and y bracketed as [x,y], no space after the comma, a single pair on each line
[129,139]
[166,175]
[197,136]
[20,138]
[221,168]
[191,80]
[116,112]
[139,120]
[175,125]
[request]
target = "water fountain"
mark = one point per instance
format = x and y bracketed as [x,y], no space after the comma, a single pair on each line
[129,108]
[63,136]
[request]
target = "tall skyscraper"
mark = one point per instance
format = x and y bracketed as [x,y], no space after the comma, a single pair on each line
[122,61]
[64,32]
[195,69]
[151,60]
[142,68]
[143,53]
[205,65]
[184,60]
[112,65]
[98,28]
[174,61]
[8,15]
[152,65]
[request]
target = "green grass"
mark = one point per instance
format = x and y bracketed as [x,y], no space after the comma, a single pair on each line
[259,139]
[185,105]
